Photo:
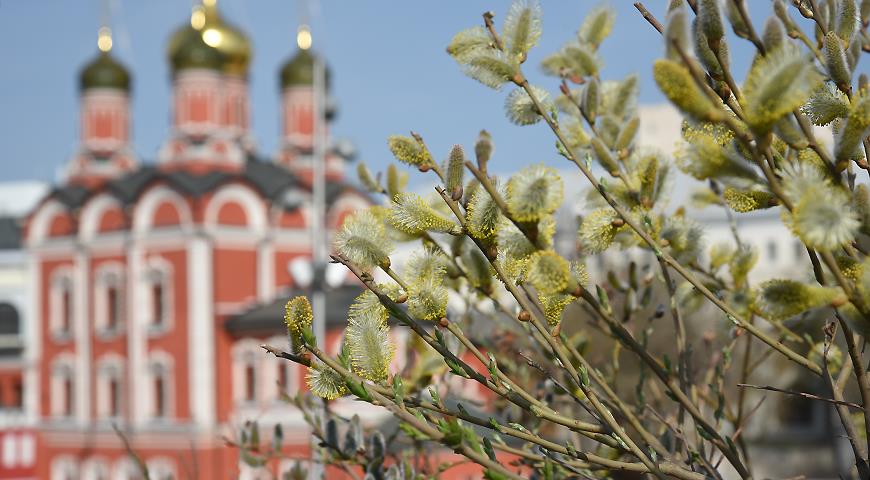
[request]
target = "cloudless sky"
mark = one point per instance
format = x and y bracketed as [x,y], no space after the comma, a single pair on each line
[389,68]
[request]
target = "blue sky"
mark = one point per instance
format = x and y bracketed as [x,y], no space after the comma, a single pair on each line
[390,72]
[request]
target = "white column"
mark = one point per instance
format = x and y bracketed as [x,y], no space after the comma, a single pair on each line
[135,328]
[201,341]
[82,335]
[33,339]
[266,270]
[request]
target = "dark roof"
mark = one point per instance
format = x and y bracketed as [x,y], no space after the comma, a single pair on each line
[269,317]
[271,180]
[10,233]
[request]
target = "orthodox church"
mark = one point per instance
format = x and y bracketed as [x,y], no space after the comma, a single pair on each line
[154,283]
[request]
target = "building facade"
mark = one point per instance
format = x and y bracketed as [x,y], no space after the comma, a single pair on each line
[154,284]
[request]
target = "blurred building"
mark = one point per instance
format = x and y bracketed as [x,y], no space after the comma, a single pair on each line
[154,284]
[17,364]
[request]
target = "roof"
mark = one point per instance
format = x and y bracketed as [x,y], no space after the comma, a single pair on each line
[269,317]
[270,179]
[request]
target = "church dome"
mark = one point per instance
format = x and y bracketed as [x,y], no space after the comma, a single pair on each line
[299,70]
[188,50]
[207,30]
[104,72]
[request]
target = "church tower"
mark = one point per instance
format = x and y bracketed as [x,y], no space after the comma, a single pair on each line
[299,113]
[104,152]
[209,59]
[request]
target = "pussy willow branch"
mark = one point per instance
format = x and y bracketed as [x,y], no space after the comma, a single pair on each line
[385,398]
[556,348]
[854,296]
[514,396]
[617,327]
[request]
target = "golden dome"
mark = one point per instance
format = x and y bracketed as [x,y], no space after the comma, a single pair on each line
[207,26]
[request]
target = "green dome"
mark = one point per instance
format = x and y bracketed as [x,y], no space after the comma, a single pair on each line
[104,72]
[188,50]
[207,30]
[299,70]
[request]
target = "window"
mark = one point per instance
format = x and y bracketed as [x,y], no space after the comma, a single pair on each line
[66,310]
[10,323]
[110,387]
[109,301]
[62,389]
[61,304]
[158,304]
[67,396]
[114,397]
[160,387]
[250,383]
[283,380]
[114,309]
[159,298]
[771,250]
[11,342]
[159,395]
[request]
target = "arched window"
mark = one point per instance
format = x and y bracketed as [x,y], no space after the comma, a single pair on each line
[250,382]
[246,373]
[62,305]
[95,468]
[10,322]
[64,468]
[63,389]
[159,296]
[160,390]
[161,468]
[109,301]
[110,388]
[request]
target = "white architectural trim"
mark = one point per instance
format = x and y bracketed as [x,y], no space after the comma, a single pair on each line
[40,223]
[249,200]
[63,367]
[64,467]
[146,207]
[109,367]
[246,353]
[83,337]
[161,468]
[33,337]
[95,468]
[160,363]
[201,336]
[135,328]
[266,270]
[92,214]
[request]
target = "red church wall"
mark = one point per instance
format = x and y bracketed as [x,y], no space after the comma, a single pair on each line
[111,220]
[231,213]
[51,346]
[293,219]
[61,225]
[235,281]
[175,340]
[10,388]
[282,274]
[166,214]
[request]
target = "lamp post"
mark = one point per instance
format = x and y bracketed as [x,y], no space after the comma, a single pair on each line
[318,206]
